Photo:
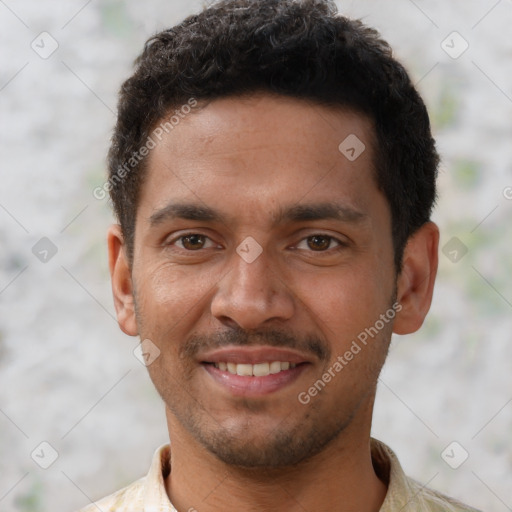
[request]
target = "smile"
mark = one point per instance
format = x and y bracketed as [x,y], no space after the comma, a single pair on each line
[255,370]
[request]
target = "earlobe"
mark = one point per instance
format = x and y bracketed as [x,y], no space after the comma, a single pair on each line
[415,283]
[122,286]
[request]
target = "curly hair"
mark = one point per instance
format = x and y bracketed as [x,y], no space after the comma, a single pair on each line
[296,48]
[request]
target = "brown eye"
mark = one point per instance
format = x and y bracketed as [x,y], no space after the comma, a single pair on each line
[193,242]
[319,242]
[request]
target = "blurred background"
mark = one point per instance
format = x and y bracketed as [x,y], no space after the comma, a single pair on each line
[78,414]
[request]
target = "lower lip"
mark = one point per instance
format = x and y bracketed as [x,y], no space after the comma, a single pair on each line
[254,386]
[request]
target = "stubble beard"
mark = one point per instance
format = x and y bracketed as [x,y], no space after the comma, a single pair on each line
[285,444]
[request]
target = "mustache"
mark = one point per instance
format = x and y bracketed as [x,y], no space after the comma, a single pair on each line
[308,343]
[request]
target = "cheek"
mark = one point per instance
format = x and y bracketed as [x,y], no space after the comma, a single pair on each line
[170,303]
[166,287]
[344,303]
[171,299]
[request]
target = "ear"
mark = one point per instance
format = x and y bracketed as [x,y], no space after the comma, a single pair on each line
[415,283]
[122,286]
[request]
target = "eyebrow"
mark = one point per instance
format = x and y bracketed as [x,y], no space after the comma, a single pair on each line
[185,211]
[321,211]
[297,213]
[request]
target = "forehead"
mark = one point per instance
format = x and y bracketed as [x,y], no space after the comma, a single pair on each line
[262,149]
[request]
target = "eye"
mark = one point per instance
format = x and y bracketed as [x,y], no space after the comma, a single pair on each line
[193,242]
[319,243]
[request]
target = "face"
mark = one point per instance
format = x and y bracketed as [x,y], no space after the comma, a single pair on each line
[261,255]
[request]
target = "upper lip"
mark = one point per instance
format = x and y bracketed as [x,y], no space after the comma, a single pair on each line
[253,355]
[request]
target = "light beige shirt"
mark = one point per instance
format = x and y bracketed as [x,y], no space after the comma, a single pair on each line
[404,494]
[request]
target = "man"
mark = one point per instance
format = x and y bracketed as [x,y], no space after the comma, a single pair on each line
[273,174]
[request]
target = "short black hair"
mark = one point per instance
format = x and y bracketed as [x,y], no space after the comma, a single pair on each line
[297,48]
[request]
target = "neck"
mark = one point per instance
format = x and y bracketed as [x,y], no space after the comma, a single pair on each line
[341,474]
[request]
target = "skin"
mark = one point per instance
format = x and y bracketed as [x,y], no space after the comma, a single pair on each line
[250,160]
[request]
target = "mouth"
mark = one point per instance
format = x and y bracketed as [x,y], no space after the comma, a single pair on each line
[254,371]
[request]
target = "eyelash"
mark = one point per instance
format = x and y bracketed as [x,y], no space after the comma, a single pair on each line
[340,243]
[181,237]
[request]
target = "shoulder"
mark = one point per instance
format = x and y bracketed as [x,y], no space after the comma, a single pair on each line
[433,501]
[128,499]
[146,493]
[404,493]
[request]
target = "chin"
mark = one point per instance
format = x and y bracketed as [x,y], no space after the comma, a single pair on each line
[271,448]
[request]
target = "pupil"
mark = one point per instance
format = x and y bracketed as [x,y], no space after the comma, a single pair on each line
[193,241]
[318,243]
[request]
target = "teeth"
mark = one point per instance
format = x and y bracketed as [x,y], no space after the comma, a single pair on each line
[256,370]
[275,367]
[244,370]
[261,369]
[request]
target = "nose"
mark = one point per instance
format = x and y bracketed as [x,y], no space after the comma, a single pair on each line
[252,295]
